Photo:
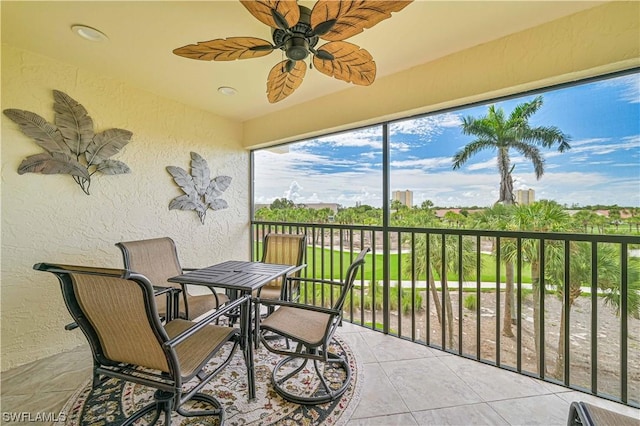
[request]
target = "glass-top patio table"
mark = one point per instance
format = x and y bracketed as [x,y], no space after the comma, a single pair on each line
[238,278]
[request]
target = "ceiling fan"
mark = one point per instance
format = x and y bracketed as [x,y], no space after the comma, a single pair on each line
[296,30]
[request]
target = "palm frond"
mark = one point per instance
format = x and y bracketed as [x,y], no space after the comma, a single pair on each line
[533,154]
[547,137]
[470,150]
[522,112]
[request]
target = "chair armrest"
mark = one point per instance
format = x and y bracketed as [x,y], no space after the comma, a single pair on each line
[71,326]
[158,290]
[271,302]
[296,269]
[205,321]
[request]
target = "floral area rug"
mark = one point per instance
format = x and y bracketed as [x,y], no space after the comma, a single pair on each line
[115,400]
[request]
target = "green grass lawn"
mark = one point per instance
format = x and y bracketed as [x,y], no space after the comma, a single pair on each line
[334,262]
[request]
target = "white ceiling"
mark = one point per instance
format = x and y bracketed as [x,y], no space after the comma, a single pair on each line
[142,35]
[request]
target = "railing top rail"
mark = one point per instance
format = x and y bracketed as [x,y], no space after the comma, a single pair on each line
[599,238]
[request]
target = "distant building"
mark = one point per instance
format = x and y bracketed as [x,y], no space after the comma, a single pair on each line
[316,206]
[405,197]
[319,206]
[525,197]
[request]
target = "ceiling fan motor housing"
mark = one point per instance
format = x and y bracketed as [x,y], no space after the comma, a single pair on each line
[297,41]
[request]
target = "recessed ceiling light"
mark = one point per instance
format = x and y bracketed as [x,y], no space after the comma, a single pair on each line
[89,33]
[228,91]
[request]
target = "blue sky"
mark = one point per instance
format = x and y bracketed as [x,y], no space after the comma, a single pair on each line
[602,167]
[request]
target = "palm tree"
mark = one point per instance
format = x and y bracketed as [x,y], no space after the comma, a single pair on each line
[608,266]
[542,216]
[442,266]
[396,205]
[585,219]
[500,217]
[501,134]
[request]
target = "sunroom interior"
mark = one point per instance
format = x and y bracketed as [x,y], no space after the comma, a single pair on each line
[431,56]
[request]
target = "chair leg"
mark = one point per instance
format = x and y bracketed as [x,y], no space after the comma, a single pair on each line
[162,402]
[208,399]
[324,392]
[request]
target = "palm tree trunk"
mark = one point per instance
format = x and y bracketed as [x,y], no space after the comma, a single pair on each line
[506,181]
[561,342]
[434,295]
[508,299]
[448,310]
[535,281]
[560,362]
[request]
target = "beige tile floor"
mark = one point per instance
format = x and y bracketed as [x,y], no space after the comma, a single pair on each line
[404,384]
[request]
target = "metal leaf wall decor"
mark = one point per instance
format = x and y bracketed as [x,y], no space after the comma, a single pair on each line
[71,146]
[200,191]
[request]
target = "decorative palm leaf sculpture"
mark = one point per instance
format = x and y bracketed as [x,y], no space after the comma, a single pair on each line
[71,145]
[296,30]
[200,191]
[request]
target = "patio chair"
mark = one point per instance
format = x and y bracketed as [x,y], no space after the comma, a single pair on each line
[157,259]
[117,313]
[312,329]
[284,249]
[584,414]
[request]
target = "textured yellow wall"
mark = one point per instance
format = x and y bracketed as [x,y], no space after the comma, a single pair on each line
[49,218]
[599,40]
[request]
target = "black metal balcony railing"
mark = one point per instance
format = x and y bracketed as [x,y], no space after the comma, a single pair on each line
[559,307]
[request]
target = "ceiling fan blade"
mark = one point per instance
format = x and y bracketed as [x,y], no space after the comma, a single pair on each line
[284,79]
[281,14]
[338,20]
[228,49]
[350,63]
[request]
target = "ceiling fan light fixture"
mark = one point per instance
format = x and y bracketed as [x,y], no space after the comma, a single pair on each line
[227,91]
[89,33]
[296,48]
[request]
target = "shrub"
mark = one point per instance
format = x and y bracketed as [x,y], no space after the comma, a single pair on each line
[470,302]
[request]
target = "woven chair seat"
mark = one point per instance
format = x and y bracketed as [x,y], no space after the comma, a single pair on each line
[195,351]
[304,326]
[201,304]
[268,293]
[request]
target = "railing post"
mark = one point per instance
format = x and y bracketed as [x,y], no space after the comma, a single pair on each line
[542,284]
[386,249]
[594,318]
[623,322]
[567,312]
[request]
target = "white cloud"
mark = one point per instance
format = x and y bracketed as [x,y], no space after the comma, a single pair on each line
[598,146]
[426,127]
[422,163]
[628,86]
[293,192]
[367,137]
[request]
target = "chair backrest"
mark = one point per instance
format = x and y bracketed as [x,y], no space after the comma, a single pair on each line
[156,259]
[283,249]
[116,311]
[350,278]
